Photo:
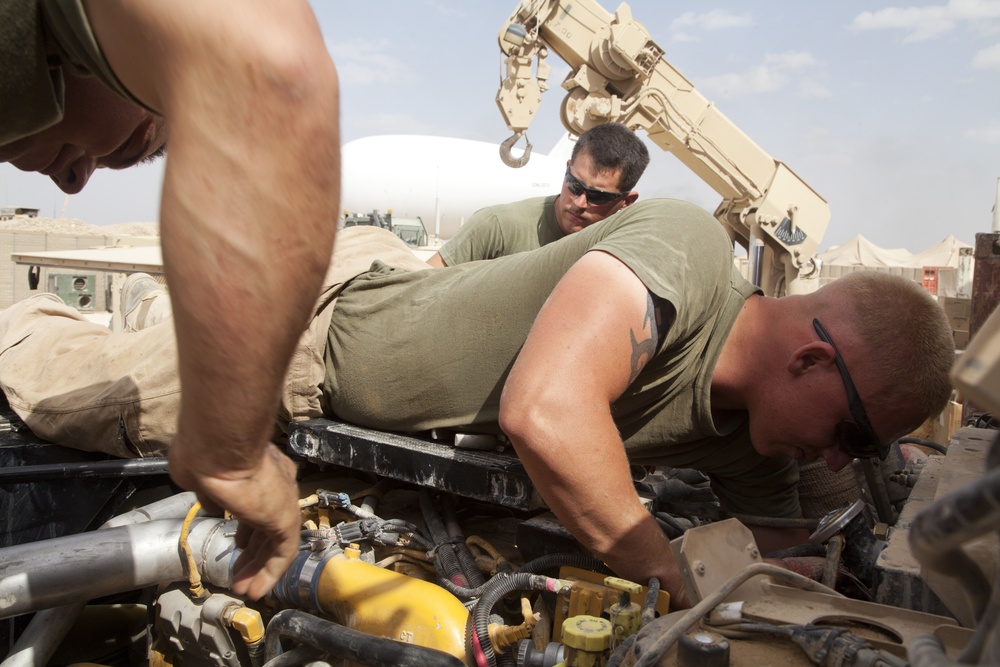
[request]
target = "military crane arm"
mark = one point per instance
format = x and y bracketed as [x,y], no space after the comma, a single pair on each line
[619,74]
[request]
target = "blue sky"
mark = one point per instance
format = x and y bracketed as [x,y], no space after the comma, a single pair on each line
[890,111]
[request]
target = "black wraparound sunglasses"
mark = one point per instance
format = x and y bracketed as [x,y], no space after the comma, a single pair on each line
[858,438]
[594,196]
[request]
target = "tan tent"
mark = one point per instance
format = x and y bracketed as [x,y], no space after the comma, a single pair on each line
[859,251]
[937,267]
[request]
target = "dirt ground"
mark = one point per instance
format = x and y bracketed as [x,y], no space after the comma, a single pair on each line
[78,227]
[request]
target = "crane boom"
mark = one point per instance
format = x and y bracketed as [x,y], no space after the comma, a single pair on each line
[618,73]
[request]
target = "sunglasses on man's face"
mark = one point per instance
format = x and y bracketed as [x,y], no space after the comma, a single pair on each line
[857,438]
[595,197]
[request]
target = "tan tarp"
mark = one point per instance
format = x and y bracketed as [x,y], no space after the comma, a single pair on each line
[859,251]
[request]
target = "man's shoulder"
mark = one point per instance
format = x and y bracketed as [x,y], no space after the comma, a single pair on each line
[498,230]
[669,222]
[527,208]
[665,211]
[678,250]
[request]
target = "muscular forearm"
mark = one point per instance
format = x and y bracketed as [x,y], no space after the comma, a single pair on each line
[244,266]
[247,218]
[249,201]
[581,471]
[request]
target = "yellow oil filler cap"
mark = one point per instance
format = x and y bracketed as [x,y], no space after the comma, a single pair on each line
[587,633]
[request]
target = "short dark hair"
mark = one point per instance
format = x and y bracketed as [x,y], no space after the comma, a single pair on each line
[612,147]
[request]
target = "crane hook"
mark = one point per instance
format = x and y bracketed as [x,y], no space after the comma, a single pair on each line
[505,147]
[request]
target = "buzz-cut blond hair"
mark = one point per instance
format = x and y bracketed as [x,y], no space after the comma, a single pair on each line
[908,333]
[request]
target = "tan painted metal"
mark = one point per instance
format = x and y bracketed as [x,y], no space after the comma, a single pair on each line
[712,554]
[618,73]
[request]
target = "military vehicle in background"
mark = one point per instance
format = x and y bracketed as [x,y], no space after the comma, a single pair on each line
[410,230]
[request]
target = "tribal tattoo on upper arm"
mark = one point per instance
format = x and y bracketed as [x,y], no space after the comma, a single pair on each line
[644,349]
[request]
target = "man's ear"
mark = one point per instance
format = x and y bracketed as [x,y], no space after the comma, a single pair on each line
[814,354]
[630,198]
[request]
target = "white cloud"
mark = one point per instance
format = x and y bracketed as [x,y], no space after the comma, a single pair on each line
[364,62]
[988,58]
[683,37]
[989,134]
[932,21]
[717,19]
[792,69]
[790,60]
[754,81]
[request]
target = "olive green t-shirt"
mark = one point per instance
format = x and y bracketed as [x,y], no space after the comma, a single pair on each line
[497,231]
[38,40]
[411,351]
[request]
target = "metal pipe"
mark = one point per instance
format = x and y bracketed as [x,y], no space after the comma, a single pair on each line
[755,257]
[834,548]
[78,568]
[42,636]
[115,468]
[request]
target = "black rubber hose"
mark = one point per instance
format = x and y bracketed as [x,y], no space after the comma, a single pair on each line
[350,644]
[435,524]
[465,559]
[444,549]
[930,444]
[550,561]
[461,592]
[536,566]
[495,590]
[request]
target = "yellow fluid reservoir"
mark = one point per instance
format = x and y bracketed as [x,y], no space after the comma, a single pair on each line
[587,640]
[388,604]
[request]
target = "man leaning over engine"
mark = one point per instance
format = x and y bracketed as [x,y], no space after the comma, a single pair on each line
[633,340]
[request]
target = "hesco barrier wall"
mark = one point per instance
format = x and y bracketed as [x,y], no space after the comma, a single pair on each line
[88,294]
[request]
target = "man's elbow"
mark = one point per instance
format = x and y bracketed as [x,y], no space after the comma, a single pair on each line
[292,67]
[525,415]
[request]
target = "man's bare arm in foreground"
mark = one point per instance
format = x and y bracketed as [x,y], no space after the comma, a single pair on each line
[590,339]
[248,214]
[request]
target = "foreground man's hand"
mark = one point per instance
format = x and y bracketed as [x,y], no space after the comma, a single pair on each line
[265,502]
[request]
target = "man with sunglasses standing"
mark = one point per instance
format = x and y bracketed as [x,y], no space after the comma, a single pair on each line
[606,163]
[248,94]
